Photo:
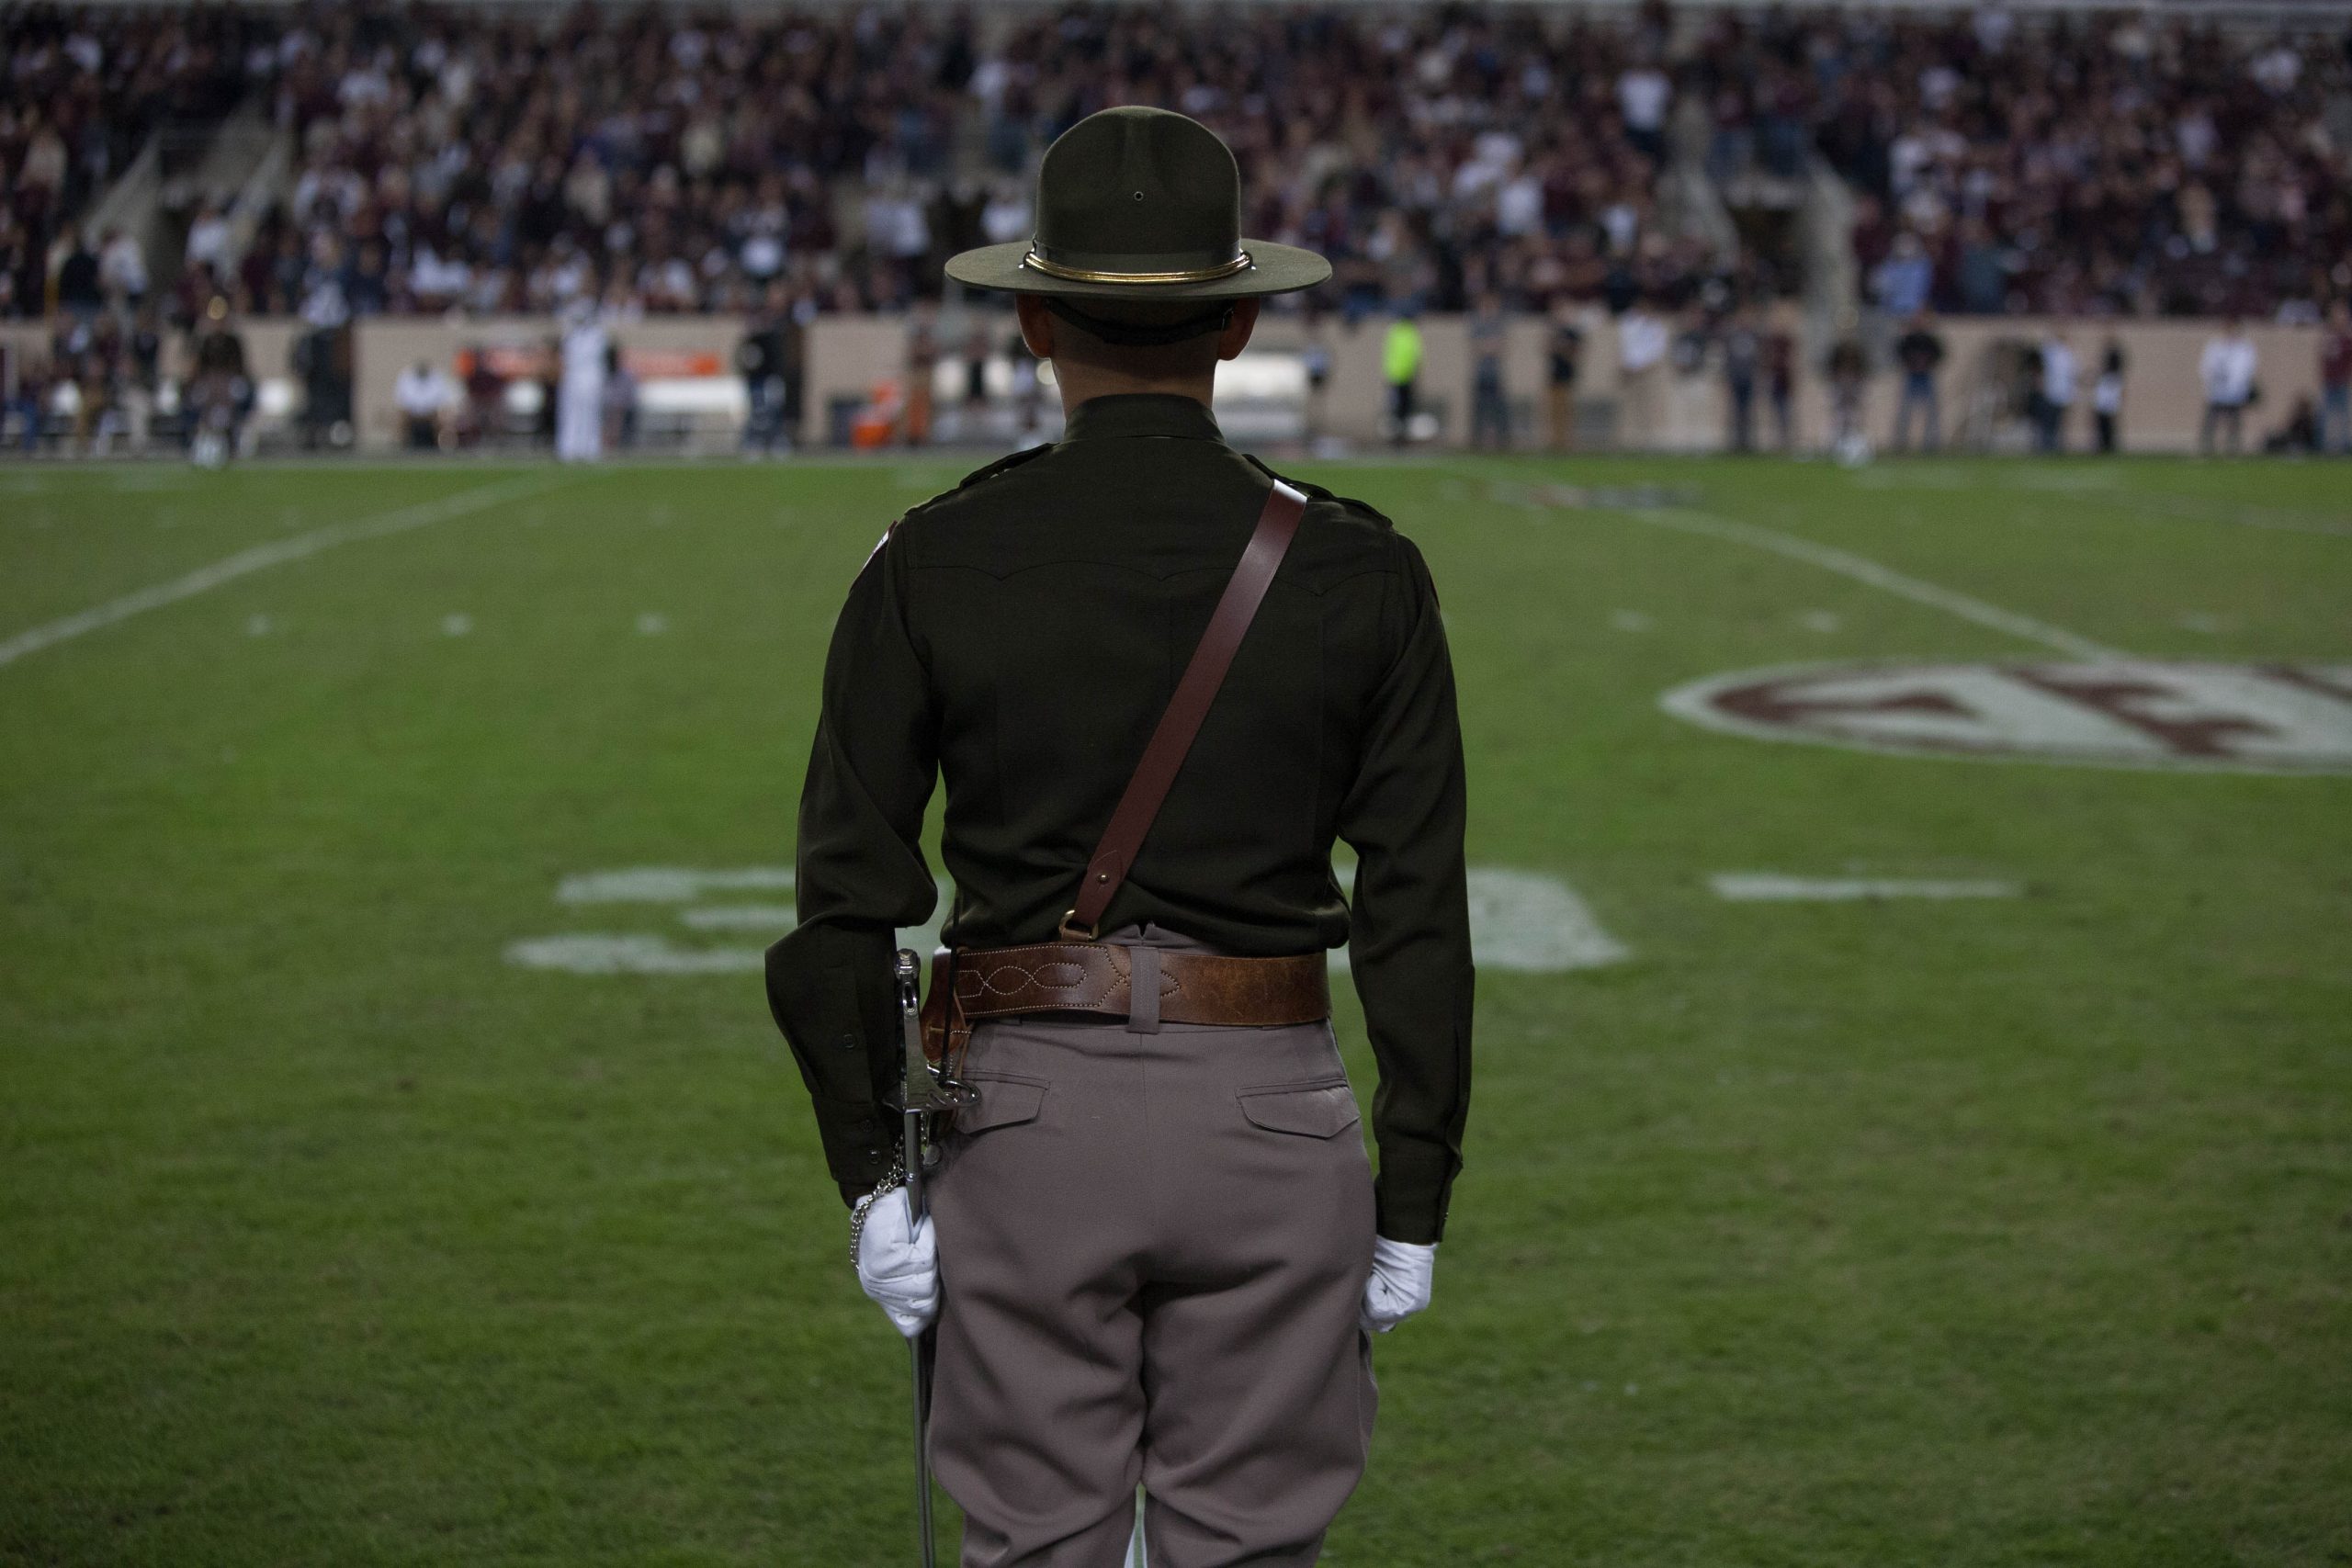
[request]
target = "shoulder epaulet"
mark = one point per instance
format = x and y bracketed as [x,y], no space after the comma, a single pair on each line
[1005,464]
[1316,492]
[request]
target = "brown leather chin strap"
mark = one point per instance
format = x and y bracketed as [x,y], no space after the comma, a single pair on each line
[1107,868]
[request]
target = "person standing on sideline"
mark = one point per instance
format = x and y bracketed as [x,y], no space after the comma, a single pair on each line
[2336,381]
[619,400]
[1400,363]
[1781,387]
[2107,395]
[1920,353]
[1314,358]
[2054,391]
[426,399]
[2227,369]
[221,391]
[1641,344]
[922,374]
[1743,354]
[1565,352]
[1155,1253]
[1848,371]
[1489,408]
[759,359]
[579,391]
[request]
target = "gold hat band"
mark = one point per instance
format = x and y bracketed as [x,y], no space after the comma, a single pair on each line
[1088,275]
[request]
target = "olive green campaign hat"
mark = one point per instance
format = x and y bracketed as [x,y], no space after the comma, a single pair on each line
[1139,204]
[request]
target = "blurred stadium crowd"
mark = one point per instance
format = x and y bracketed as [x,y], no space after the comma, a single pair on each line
[497,159]
[783,164]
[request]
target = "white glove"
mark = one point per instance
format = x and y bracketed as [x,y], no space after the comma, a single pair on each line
[897,1262]
[1399,1285]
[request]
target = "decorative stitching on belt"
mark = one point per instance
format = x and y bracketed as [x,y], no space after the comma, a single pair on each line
[1212,988]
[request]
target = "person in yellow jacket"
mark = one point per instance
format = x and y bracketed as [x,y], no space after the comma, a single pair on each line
[1400,362]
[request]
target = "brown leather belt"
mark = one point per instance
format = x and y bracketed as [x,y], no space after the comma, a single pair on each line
[1099,978]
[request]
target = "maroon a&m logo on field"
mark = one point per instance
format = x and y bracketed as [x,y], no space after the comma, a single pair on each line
[2121,712]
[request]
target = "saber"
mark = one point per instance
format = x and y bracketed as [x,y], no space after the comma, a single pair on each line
[913,1098]
[922,1088]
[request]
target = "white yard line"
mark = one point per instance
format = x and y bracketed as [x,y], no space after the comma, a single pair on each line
[1863,570]
[263,557]
[1771,887]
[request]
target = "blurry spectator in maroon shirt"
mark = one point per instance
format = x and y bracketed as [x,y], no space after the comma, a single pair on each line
[2335,380]
[1780,385]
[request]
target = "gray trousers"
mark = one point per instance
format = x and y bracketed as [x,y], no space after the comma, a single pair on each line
[1152,1244]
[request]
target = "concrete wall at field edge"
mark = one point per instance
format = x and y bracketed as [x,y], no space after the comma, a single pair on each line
[2163,400]
[384,346]
[848,355]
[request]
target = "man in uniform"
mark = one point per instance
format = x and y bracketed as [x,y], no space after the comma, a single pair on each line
[1155,1251]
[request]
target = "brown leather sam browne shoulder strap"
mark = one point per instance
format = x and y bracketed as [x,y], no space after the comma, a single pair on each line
[1106,869]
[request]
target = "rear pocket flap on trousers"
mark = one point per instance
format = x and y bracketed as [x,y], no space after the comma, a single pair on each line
[1319,1111]
[1003,1101]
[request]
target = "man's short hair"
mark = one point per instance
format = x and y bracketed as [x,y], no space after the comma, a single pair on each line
[1166,337]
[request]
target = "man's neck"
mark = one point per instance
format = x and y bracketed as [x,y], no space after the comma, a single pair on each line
[1083,383]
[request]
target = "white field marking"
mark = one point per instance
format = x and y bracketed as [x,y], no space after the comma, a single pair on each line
[669,884]
[1821,621]
[1630,620]
[1771,887]
[1519,920]
[259,625]
[2204,621]
[1861,568]
[593,953]
[263,557]
[1535,924]
[456,625]
[2195,715]
[740,918]
[652,624]
[601,953]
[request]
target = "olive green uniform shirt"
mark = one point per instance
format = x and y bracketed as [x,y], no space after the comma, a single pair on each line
[1020,636]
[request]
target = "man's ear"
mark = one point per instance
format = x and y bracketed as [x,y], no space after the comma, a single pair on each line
[1036,324]
[1233,338]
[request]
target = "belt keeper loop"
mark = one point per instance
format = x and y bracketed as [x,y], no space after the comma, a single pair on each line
[1143,991]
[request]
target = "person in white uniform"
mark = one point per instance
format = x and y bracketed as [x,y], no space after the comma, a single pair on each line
[2227,367]
[579,394]
[2056,392]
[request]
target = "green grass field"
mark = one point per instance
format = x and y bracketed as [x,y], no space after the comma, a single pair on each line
[2012,1229]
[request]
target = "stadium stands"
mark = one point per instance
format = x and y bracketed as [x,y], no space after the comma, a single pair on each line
[335,168]
[503,160]
[2116,164]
